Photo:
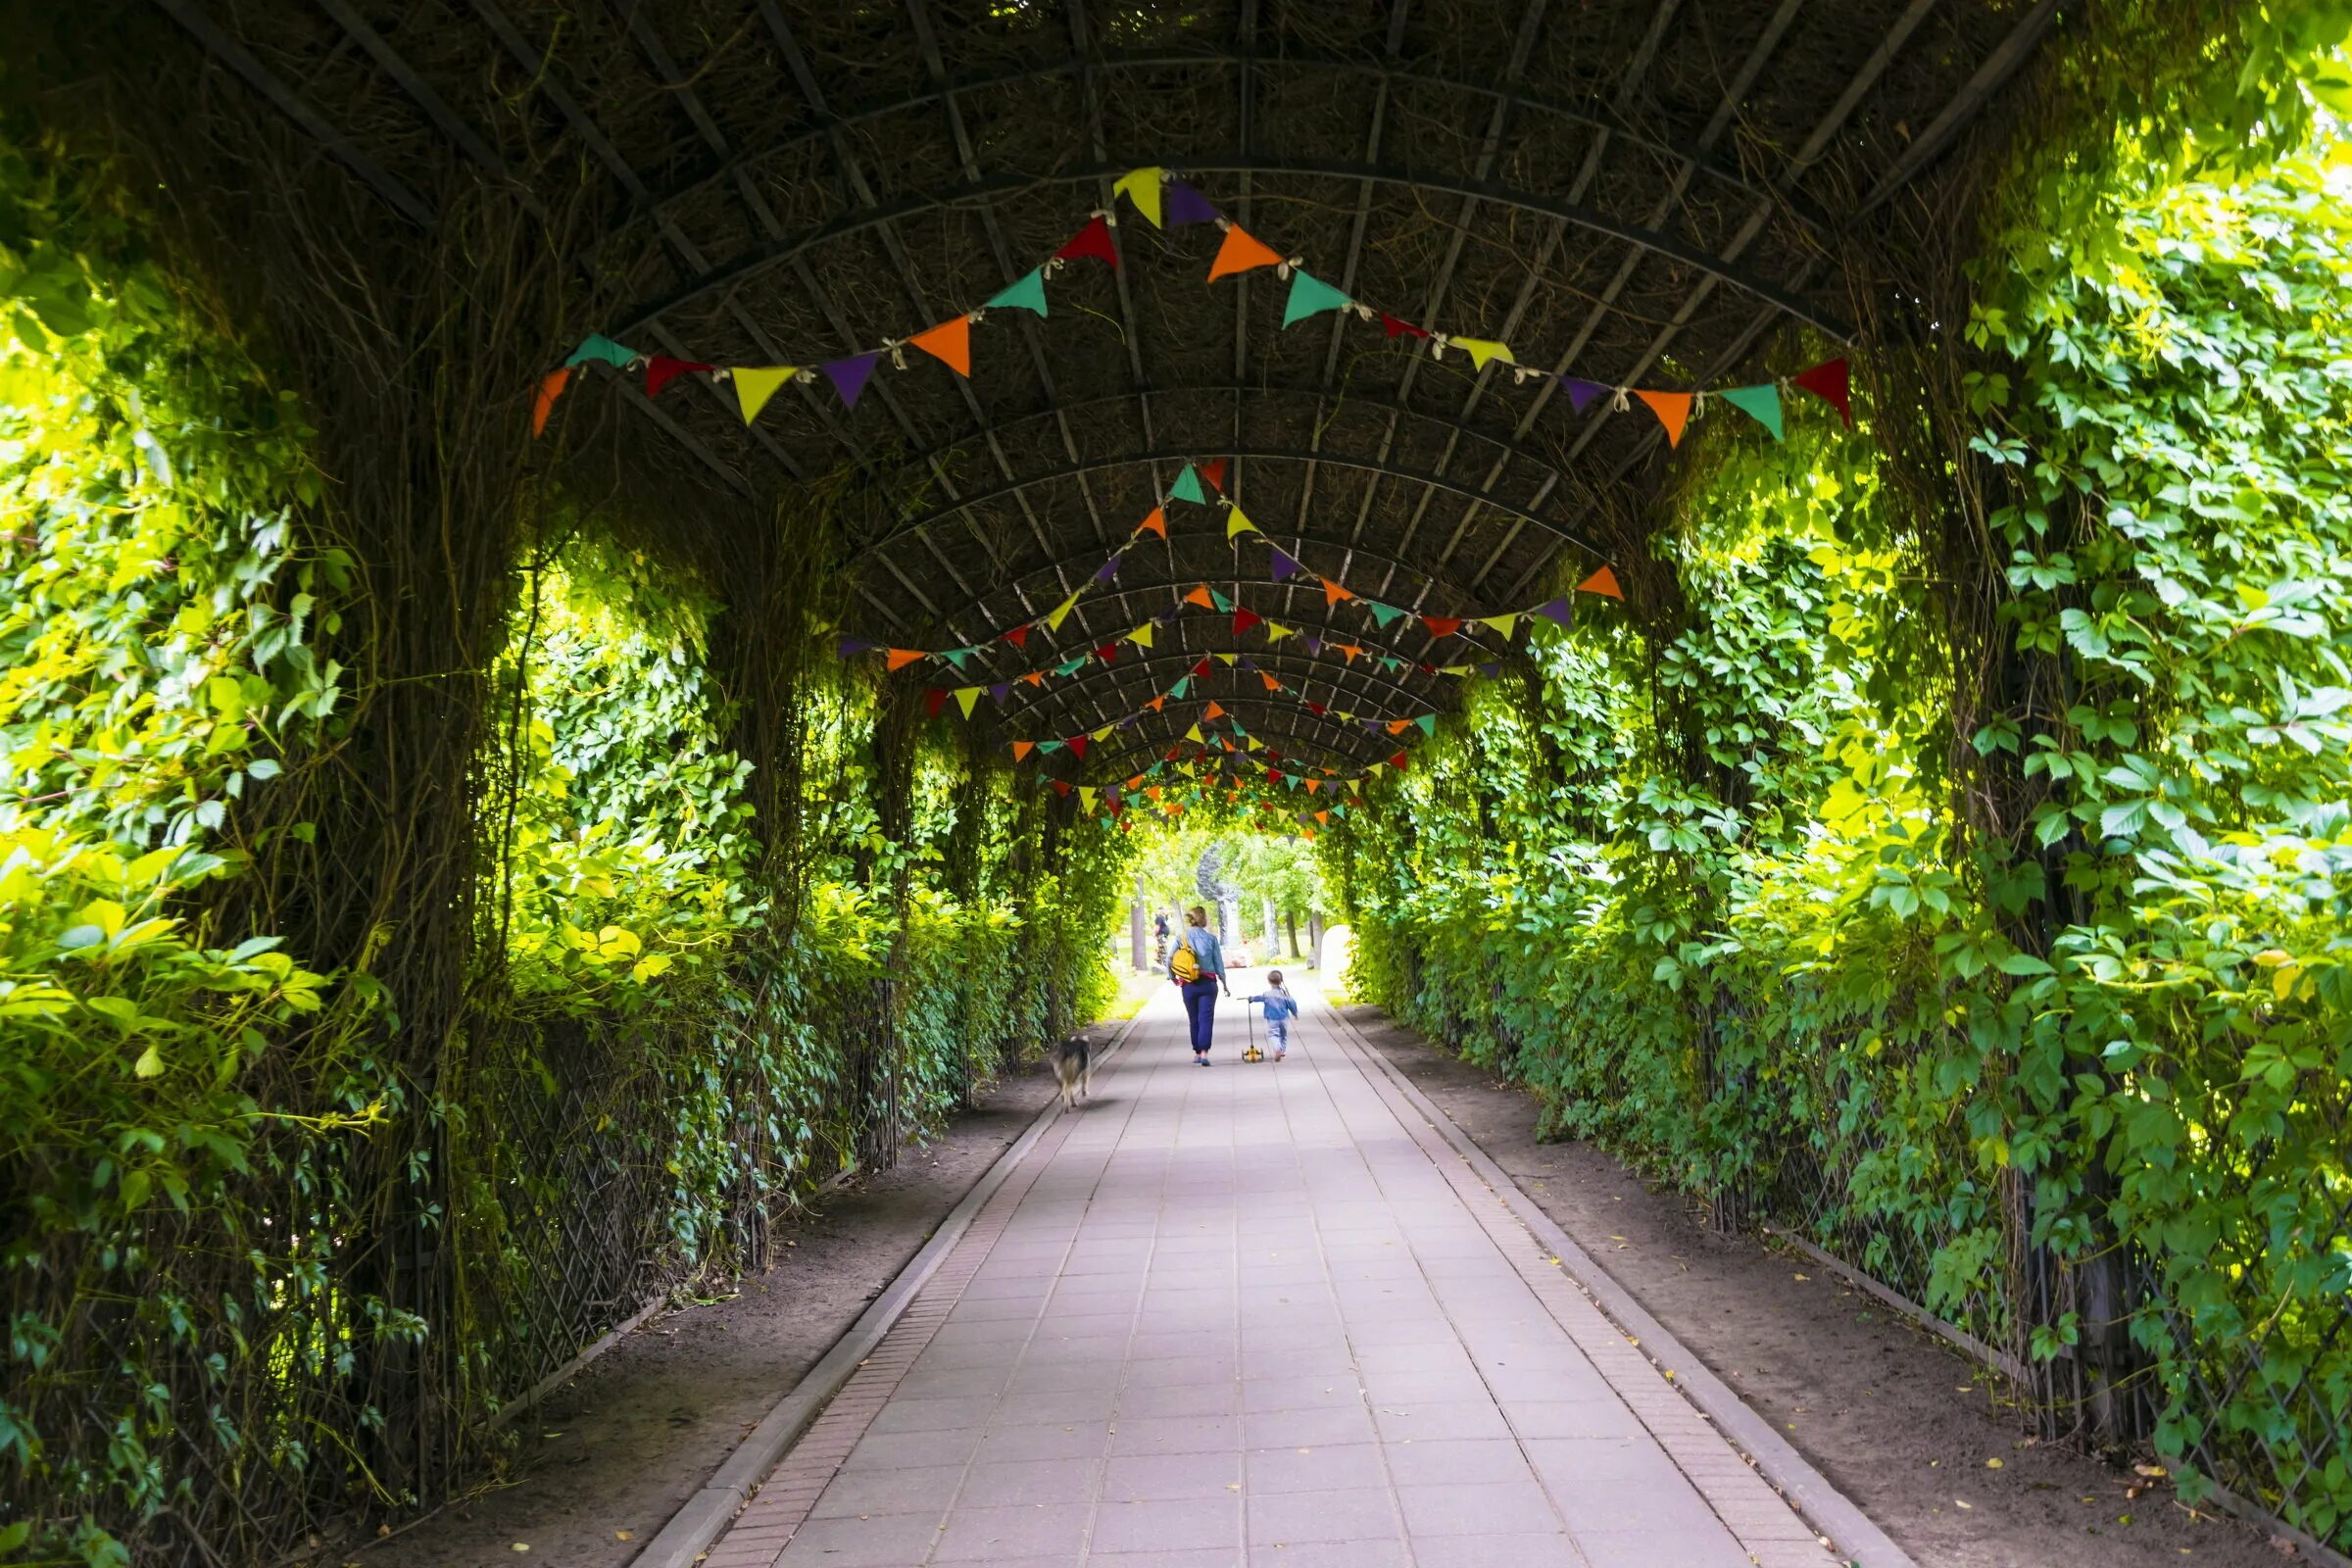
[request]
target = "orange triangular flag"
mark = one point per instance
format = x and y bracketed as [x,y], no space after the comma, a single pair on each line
[551,387]
[1323,818]
[1333,593]
[901,658]
[1157,704]
[1602,582]
[1272,684]
[1398,726]
[1199,596]
[1239,254]
[1673,410]
[1021,749]
[1214,712]
[1156,523]
[950,343]
[1036,678]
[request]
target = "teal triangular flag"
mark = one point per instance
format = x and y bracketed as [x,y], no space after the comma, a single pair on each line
[1428,723]
[956,656]
[1222,602]
[1184,683]
[1384,615]
[1188,488]
[1292,779]
[599,347]
[1047,746]
[1028,294]
[1073,666]
[1391,665]
[1312,296]
[1761,404]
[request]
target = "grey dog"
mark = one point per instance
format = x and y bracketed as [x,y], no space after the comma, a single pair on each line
[1073,1069]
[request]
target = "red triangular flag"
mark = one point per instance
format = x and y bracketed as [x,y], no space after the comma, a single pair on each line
[1241,252]
[1061,787]
[1441,625]
[1602,582]
[1108,652]
[935,698]
[950,343]
[543,403]
[1201,668]
[1829,383]
[661,370]
[1399,761]
[1395,326]
[1214,473]
[1243,619]
[1317,709]
[1018,636]
[1077,746]
[1092,240]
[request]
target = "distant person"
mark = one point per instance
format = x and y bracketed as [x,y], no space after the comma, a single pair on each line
[1197,966]
[1280,1008]
[1159,938]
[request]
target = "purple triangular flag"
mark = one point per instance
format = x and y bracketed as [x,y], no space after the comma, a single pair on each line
[849,376]
[1108,569]
[850,644]
[1284,567]
[1490,670]
[1556,611]
[1181,204]
[1314,644]
[1000,691]
[1248,665]
[1581,391]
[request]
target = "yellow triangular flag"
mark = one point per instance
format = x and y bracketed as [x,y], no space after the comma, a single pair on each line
[1238,523]
[966,696]
[1483,351]
[1061,613]
[1142,187]
[1276,632]
[756,385]
[1230,658]
[1103,733]
[1086,798]
[1193,734]
[1501,623]
[1142,635]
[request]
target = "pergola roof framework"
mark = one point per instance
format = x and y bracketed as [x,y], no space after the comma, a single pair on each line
[1621,189]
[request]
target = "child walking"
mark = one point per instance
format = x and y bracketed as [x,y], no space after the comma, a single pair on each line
[1280,1008]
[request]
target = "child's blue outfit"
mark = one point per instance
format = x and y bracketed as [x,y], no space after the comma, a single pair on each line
[1280,1008]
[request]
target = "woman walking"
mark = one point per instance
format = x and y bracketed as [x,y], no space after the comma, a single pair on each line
[1197,966]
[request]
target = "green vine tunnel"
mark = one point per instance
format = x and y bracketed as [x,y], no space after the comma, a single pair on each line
[1647,250]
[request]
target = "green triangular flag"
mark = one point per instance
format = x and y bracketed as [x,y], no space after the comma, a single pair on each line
[1049,745]
[1391,665]
[1761,404]
[1384,615]
[1223,604]
[1184,683]
[1073,666]
[1188,488]
[1027,294]
[1312,296]
[956,656]
[599,347]
[1428,723]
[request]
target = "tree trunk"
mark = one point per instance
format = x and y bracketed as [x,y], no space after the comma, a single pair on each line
[1291,920]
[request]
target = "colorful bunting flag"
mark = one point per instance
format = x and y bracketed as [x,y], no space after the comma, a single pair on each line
[1503,624]
[1092,242]
[966,697]
[1602,582]
[1019,635]
[1829,381]
[1310,296]
[754,385]
[661,370]
[1156,523]
[849,376]
[1284,566]
[1398,327]
[1761,404]
[1240,253]
[596,346]
[543,401]
[1441,625]
[1237,523]
[1141,189]
[898,659]
[1580,392]
[935,698]
[1558,611]
[950,343]
[1334,592]
[1024,293]
[1188,488]
[1673,410]
[1183,204]
[1022,749]
[1243,619]
[1385,615]
[1484,352]
[1140,636]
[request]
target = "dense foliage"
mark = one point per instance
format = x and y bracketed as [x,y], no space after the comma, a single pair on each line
[2045,1020]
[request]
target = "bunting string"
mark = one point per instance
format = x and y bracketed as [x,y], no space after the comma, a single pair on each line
[1167,202]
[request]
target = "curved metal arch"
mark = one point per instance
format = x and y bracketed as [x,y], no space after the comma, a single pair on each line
[825,126]
[1121,681]
[1098,598]
[747,264]
[1355,400]
[916,525]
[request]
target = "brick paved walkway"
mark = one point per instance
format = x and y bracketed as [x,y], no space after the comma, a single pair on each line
[1257,1314]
